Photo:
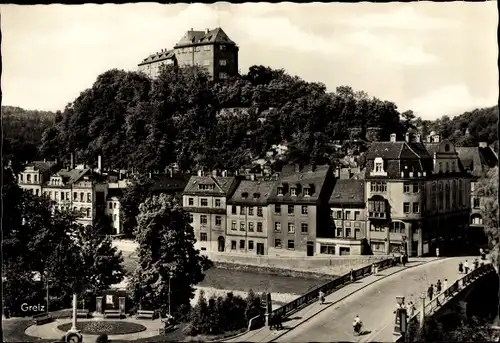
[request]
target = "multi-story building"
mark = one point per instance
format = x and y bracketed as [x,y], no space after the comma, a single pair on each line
[36,174]
[210,49]
[477,161]
[417,194]
[113,208]
[299,208]
[248,218]
[348,220]
[205,198]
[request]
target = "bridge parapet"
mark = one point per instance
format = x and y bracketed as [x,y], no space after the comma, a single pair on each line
[447,295]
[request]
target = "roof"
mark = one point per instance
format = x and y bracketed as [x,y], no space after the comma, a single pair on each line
[476,159]
[222,185]
[432,148]
[42,166]
[257,192]
[73,175]
[167,183]
[216,35]
[313,177]
[159,56]
[114,192]
[396,150]
[348,192]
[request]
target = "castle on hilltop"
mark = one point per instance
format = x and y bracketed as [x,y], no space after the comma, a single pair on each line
[210,49]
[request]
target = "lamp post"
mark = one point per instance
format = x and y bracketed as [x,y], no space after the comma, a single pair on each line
[405,244]
[401,320]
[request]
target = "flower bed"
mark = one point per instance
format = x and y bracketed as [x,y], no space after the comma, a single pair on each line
[105,327]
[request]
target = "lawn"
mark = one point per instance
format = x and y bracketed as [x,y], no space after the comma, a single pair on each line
[93,327]
[13,331]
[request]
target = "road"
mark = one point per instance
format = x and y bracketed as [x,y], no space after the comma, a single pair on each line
[375,305]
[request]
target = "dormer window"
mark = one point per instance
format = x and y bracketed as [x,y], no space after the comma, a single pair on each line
[293,191]
[244,195]
[256,195]
[280,190]
[307,192]
[378,167]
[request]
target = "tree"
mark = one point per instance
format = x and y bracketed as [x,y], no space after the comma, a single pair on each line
[253,306]
[200,316]
[166,254]
[138,191]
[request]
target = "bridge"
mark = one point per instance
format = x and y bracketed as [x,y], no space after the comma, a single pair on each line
[372,297]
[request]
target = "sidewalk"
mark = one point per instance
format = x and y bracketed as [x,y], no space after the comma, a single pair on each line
[266,335]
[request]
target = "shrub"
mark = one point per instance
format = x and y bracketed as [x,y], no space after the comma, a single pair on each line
[102,339]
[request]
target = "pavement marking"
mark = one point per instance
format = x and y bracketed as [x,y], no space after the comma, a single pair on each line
[348,295]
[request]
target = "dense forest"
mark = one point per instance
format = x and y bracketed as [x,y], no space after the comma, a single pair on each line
[135,122]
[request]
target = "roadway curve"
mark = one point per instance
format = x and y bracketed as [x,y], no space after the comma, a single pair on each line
[375,305]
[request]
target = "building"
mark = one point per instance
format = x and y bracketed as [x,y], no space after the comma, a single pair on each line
[477,161]
[299,208]
[210,49]
[113,208]
[248,219]
[417,194]
[348,219]
[36,174]
[205,198]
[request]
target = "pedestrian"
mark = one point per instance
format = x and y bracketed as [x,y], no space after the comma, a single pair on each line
[430,291]
[460,267]
[438,287]
[476,263]
[351,275]
[445,285]
[373,268]
[466,267]
[279,323]
[403,260]
[321,297]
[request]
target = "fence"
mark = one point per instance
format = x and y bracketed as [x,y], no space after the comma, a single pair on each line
[330,287]
[449,293]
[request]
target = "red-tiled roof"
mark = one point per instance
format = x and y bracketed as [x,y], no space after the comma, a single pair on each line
[348,192]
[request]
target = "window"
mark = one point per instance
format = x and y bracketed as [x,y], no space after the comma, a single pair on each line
[447,167]
[397,227]
[347,214]
[406,207]
[327,249]
[293,191]
[378,187]
[250,245]
[56,195]
[304,209]
[377,228]
[331,214]
[222,75]
[75,196]
[291,228]
[250,226]
[415,188]
[233,209]
[259,227]
[250,211]
[204,202]
[277,243]
[28,178]
[259,211]
[233,225]
[477,202]
[217,202]
[416,207]
[339,232]
[222,47]
[222,62]
[37,192]
[114,217]
[280,190]
[277,227]
[242,210]
[242,226]
[291,209]
[356,215]
[191,218]
[406,187]
[348,232]
[233,245]
[203,237]
[110,206]
[218,220]
[304,227]
[477,220]
[291,244]
[307,192]
[339,214]
[67,196]
[203,220]
[377,246]
[62,195]
[115,204]
[379,167]
[89,197]
[242,244]
[440,166]
[277,209]
[81,196]
[21,177]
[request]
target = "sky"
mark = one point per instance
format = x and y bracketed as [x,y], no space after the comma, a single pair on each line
[433,58]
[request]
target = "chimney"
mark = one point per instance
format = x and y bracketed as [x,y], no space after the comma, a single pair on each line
[393,137]
[45,160]
[436,138]
[208,30]
[72,161]
[200,173]
[192,29]
[407,137]
[483,144]
[150,175]
[99,164]
[418,138]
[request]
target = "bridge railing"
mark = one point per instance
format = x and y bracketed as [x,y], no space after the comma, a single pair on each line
[330,287]
[450,292]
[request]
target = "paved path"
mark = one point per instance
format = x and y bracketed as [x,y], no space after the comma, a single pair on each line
[331,301]
[374,304]
[50,330]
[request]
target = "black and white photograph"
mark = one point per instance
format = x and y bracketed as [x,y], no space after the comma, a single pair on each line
[251,172]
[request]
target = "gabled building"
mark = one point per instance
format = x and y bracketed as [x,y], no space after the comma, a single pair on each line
[205,198]
[35,174]
[417,195]
[299,209]
[248,217]
[210,49]
[477,161]
[347,235]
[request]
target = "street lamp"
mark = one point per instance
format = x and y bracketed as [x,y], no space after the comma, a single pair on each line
[405,244]
[401,319]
